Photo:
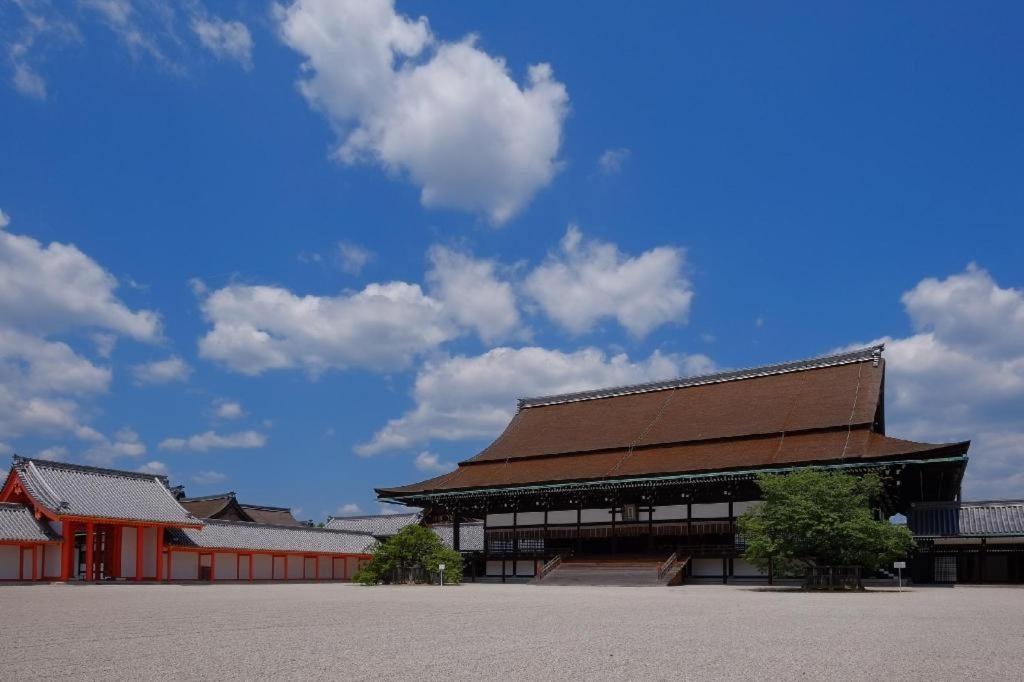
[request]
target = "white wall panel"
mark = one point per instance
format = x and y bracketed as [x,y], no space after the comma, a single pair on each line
[597,515]
[351,566]
[8,562]
[525,568]
[707,567]
[494,568]
[309,568]
[227,566]
[562,516]
[499,520]
[670,512]
[740,507]
[262,567]
[710,511]
[185,566]
[52,553]
[279,566]
[294,567]
[26,564]
[149,552]
[745,569]
[530,518]
[325,567]
[128,552]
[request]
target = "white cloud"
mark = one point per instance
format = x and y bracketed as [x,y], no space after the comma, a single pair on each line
[459,398]
[383,327]
[56,453]
[961,376]
[350,509]
[156,468]
[588,280]
[41,27]
[173,369]
[228,409]
[430,462]
[448,115]
[352,258]
[472,293]
[611,160]
[214,441]
[208,477]
[104,452]
[230,39]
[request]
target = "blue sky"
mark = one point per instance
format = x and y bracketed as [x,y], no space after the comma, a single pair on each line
[298,250]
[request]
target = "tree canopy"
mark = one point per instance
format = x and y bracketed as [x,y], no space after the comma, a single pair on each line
[412,555]
[824,518]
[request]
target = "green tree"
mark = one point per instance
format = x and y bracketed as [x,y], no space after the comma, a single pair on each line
[824,518]
[413,551]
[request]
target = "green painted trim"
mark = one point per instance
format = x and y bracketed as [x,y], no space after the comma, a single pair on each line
[745,473]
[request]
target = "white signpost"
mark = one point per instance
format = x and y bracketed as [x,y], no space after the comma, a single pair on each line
[899,566]
[440,567]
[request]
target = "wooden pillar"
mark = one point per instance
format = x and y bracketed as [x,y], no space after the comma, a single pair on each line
[250,567]
[138,552]
[579,522]
[159,554]
[213,566]
[90,540]
[614,540]
[118,532]
[544,534]
[650,525]
[67,550]
[502,568]
[982,561]
[456,545]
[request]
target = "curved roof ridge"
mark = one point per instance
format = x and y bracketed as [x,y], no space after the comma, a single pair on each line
[868,353]
[256,524]
[48,464]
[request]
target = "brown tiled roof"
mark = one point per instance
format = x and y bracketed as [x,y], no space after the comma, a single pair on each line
[825,410]
[208,506]
[280,516]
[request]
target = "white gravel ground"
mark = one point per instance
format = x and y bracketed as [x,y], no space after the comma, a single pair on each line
[340,631]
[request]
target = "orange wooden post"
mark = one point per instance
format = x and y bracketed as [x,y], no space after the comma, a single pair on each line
[250,568]
[159,554]
[213,566]
[138,552]
[90,539]
[67,550]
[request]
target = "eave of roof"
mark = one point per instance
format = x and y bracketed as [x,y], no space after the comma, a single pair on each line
[218,534]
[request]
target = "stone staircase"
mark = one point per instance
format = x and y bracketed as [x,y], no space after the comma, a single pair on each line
[617,572]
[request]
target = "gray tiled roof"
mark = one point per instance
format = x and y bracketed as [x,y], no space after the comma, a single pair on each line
[74,490]
[379,525]
[988,518]
[18,523]
[471,535]
[219,534]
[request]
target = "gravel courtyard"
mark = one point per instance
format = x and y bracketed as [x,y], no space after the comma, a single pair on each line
[512,631]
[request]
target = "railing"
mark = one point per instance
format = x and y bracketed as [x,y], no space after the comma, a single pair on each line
[665,566]
[551,565]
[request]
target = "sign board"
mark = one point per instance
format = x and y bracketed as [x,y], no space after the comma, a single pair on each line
[440,567]
[899,564]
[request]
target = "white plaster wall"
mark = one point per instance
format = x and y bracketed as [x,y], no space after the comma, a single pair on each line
[351,566]
[530,518]
[710,511]
[294,567]
[325,567]
[279,566]
[149,552]
[707,567]
[128,552]
[670,512]
[26,564]
[243,567]
[52,562]
[499,520]
[338,564]
[227,566]
[308,568]
[745,569]
[185,566]
[740,507]
[8,562]
[562,516]
[494,568]
[524,568]
[597,516]
[262,567]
